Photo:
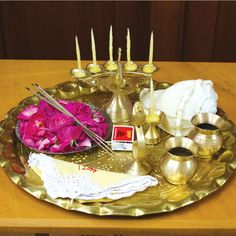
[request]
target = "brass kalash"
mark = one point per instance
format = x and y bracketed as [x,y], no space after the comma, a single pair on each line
[122,80]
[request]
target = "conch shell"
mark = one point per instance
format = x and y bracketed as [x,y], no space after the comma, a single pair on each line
[181,101]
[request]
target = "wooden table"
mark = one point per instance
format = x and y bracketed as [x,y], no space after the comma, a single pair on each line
[20,212]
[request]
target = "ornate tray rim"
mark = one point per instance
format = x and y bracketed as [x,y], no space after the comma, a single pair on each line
[17,174]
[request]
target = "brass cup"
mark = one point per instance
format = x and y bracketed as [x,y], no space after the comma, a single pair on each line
[178,167]
[209,140]
[153,134]
[68,90]
[85,88]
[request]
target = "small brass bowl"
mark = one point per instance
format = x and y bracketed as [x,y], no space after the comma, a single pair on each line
[85,88]
[68,90]
[207,133]
[178,164]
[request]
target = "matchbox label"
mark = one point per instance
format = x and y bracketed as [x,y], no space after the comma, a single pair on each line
[121,146]
[122,133]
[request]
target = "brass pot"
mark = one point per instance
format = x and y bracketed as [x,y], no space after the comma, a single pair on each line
[207,133]
[178,164]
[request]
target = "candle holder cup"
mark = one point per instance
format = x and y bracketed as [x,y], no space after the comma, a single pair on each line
[78,73]
[94,68]
[111,66]
[153,134]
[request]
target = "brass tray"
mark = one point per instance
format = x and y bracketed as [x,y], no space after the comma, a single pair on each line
[164,197]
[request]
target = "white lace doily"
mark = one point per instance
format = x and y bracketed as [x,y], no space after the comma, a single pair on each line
[68,180]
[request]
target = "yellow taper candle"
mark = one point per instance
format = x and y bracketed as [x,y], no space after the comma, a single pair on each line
[78,53]
[111,45]
[78,72]
[110,64]
[151,49]
[150,68]
[93,48]
[129,65]
[128,47]
[94,68]
[151,97]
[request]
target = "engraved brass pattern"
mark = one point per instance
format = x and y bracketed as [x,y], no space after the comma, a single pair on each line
[164,197]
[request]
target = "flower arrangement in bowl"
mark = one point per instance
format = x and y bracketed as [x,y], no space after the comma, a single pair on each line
[43,128]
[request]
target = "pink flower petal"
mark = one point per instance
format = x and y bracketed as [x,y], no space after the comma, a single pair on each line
[28,112]
[61,147]
[70,133]
[85,143]
[43,143]
[58,121]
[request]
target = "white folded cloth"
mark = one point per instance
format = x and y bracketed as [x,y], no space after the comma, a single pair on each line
[68,180]
[180,102]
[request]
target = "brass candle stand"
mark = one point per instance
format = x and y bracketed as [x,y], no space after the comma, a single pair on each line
[140,166]
[120,82]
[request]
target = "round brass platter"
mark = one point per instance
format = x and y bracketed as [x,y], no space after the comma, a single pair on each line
[164,197]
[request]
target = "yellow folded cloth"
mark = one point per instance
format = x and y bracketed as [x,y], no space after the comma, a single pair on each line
[68,180]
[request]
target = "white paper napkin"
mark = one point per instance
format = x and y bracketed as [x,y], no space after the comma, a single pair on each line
[68,180]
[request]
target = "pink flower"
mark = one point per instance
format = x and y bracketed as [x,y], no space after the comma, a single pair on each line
[79,109]
[58,121]
[69,133]
[47,109]
[34,126]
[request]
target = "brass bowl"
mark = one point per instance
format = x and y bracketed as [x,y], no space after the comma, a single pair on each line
[86,89]
[68,90]
[180,165]
[207,133]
